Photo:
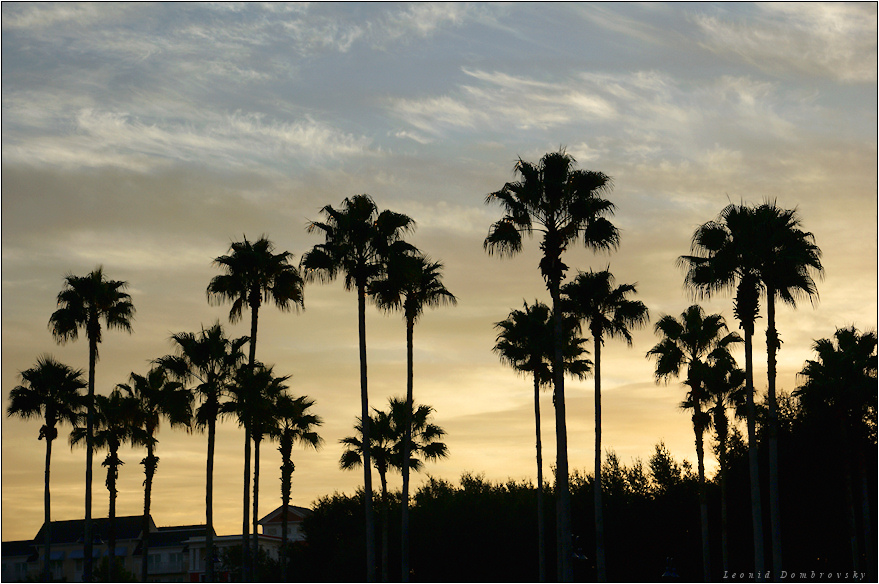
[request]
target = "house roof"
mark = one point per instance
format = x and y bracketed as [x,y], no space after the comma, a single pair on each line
[172,536]
[65,532]
[22,547]
[294,513]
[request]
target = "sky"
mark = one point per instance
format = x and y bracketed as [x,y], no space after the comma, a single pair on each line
[148,137]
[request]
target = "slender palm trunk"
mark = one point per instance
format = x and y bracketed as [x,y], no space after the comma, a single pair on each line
[772,346]
[600,565]
[47,514]
[255,571]
[756,506]
[407,447]
[245,528]
[384,481]
[209,502]
[111,529]
[722,431]
[149,464]
[564,545]
[286,481]
[364,412]
[703,498]
[87,564]
[541,536]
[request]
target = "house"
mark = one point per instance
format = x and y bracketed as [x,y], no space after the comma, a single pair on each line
[271,523]
[168,553]
[17,556]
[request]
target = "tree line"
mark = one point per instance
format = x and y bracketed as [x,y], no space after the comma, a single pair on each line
[760,253]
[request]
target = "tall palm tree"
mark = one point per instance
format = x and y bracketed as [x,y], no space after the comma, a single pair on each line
[525,342]
[592,297]
[412,283]
[83,303]
[842,383]
[357,239]
[295,423]
[724,258]
[157,397]
[386,447]
[687,342]
[50,390]
[563,204]
[116,417]
[788,259]
[253,274]
[207,362]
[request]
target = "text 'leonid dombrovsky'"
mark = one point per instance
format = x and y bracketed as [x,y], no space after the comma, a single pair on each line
[792,575]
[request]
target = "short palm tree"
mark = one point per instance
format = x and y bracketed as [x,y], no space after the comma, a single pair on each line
[564,204]
[723,258]
[83,303]
[592,297]
[295,424]
[841,383]
[116,418]
[687,342]
[357,239]
[412,283]
[525,342]
[386,447]
[253,274]
[206,362]
[52,391]
[157,397]
[788,259]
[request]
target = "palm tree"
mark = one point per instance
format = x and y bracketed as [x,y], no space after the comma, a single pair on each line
[254,274]
[157,397]
[357,239]
[563,204]
[842,383]
[413,282]
[50,390]
[723,258]
[592,297]
[83,303]
[687,342]
[525,342]
[207,360]
[386,448]
[788,258]
[116,417]
[294,424]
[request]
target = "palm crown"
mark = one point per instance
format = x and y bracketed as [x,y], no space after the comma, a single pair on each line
[49,390]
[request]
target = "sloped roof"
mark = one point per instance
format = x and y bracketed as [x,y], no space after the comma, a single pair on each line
[294,513]
[22,547]
[71,531]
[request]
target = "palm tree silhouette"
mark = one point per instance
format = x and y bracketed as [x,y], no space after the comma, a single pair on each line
[789,258]
[386,449]
[83,303]
[412,283]
[294,423]
[842,383]
[525,342]
[208,361]
[687,342]
[50,390]
[563,204]
[592,297]
[357,239]
[723,258]
[114,424]
[157,397]
[253,274]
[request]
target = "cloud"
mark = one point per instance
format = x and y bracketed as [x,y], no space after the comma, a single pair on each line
[834,40]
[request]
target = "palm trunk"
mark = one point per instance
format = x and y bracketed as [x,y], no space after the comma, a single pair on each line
[245,528]
[384,481]
[722,431]
[703,498]
[149,470]
[600,565]
[111,528]
[407,447]
[286,481]
[541,536]
[249,563]
[756,507]
[209,502]
[87,565]
[47,514]
[564,545]
[255,571]
[364,412]
[772,346]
